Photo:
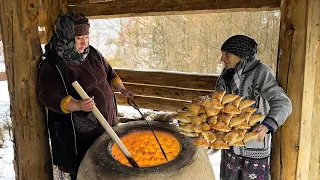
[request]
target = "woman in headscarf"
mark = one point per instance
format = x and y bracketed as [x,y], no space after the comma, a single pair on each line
[68,58]
[250,78]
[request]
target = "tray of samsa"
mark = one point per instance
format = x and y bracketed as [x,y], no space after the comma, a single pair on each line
[219,120]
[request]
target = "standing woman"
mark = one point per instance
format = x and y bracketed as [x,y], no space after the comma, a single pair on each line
[68,58]
[250,78]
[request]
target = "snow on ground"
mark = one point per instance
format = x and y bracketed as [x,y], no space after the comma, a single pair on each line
[2,66]
[6,153]
[6,160]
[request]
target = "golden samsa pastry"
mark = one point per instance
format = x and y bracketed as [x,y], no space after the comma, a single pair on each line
[211,111]
[197,128]
[219,134]
[203,117]
[209,136]
[193,109]
[250,136]
[236,121]
[228,98]
[238,143]
[201,142]
[185,119]
[231,137]
[243,125]
[219,144]
[237,101]
[246,103]
[249,110]
[205,127]
[212,120]
[221,126]
[187,127]
[184,113]
[241,133]
[225,118]
[218,95]
[215,104]
[190,134]
[197,120]
[206,102]
[201,111]
[255,118]
[246,116]
[230,109]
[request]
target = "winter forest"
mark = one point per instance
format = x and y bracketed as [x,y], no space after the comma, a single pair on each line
[186,43]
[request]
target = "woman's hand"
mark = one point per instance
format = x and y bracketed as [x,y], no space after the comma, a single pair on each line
[262,130]
[127,93]
[86,105]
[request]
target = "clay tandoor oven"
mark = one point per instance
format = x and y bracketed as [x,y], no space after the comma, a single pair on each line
[188,162]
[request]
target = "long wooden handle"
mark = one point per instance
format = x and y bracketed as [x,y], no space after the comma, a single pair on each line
[106,125]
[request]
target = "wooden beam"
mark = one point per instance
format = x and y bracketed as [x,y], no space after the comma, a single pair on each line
[297,74]
[160,104]
[19,20]
[172,93]
[169,79]
[127,8]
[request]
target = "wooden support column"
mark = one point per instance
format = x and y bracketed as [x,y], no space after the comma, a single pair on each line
[19,22]
[295,145]
[0,35]
[316,110]
[49,11]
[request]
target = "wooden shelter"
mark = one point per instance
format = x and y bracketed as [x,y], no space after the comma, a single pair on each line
[296,152]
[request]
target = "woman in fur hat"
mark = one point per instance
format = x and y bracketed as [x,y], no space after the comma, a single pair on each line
[68,58]
[250,78]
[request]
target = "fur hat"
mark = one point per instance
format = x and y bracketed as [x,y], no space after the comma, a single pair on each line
[81,25]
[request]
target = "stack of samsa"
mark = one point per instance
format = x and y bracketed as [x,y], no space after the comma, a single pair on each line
[219,120]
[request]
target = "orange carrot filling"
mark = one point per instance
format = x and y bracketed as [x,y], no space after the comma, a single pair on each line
[145,149]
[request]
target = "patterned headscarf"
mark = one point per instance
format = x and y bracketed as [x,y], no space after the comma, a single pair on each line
[244,47]
[63,40]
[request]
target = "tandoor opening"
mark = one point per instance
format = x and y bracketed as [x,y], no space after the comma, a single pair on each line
[145,149]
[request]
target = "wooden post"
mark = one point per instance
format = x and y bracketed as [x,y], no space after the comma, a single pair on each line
[49,11]
[0,35]
[294,145]
[19,22]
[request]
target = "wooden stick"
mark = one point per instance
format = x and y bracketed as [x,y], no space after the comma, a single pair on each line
[106,125]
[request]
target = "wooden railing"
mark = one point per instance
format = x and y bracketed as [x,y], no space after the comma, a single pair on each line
[161,90]
[164,90]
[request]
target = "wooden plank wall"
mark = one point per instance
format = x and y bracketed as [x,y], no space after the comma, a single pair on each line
[167,91]
[125,8]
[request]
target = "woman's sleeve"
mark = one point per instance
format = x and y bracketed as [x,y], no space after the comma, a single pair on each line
[112,76]
[280,104]
[51,90]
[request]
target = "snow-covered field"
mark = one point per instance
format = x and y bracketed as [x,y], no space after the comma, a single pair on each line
[6,153]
